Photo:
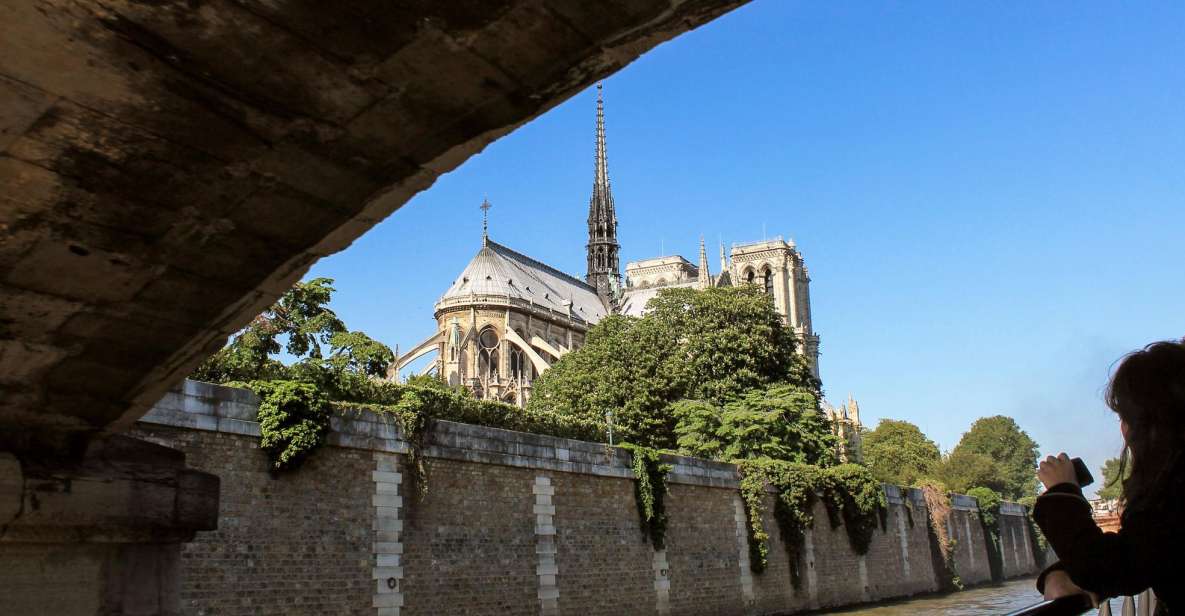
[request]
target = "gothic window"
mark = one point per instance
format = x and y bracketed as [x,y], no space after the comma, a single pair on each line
[487,359]
[769,281]
[516,362]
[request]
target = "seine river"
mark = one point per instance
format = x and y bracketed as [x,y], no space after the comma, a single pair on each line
[985,600]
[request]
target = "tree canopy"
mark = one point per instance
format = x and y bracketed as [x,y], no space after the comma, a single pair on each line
[711,346]
[964,469]
[1110,488]
[302,324]
[781,422]
[898,452]
[1001,441]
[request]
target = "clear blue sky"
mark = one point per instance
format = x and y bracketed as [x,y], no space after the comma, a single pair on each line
[990,199]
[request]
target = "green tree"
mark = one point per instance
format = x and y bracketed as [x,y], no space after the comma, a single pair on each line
[1110,488]
[781,422]
[710,345]
[302,320]
[964,469]
[898,452]
[1010,448]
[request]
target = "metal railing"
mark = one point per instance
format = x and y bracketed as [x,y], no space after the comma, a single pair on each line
[1142,605]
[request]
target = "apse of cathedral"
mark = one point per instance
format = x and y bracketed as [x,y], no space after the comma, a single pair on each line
[507,317]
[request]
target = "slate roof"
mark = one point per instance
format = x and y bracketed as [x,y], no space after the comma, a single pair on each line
[500,271]
[633,301]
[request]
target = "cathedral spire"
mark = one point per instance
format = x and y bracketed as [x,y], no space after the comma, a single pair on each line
[705,278]
[723,259]
[604,271]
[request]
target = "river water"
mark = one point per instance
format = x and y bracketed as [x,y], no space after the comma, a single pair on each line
[988,600]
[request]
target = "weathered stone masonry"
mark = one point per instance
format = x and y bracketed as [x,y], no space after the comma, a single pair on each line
[512,523]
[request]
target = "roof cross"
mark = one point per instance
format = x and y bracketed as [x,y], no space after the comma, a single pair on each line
[485,219]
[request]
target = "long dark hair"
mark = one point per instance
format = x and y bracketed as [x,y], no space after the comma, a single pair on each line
[1147,391]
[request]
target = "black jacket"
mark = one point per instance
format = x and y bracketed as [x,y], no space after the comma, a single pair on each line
[1144,553]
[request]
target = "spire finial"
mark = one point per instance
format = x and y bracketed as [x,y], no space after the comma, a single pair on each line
[602,170]
[705,277]
[485,220]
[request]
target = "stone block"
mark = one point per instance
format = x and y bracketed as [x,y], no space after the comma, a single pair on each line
[388,464]
[235,426]
[386,477]
[388,523]
[388,547]
[387,560]
[386,499]
[382,573]
[389,600]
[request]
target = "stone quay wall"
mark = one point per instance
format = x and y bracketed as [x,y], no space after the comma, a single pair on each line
[513,523]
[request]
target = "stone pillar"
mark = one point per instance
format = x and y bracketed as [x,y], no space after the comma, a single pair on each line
[101,534]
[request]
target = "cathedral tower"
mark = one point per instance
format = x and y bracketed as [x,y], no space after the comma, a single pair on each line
[604,272]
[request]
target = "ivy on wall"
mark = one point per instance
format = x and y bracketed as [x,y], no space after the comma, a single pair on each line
[850,495]
[942,546]
[294,418]
[989,519]
[650,489]
[293,421]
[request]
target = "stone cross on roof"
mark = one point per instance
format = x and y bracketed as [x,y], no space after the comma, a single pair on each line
[485,220]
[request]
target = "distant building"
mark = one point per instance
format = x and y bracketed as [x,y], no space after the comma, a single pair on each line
[845,424]
[1106,514]
[775,265]
[507,317]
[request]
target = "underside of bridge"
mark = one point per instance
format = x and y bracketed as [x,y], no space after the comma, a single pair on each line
[168,168]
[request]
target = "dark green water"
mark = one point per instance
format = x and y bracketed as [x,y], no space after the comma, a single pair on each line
[988,600]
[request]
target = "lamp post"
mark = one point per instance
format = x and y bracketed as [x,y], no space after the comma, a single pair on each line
[609,422]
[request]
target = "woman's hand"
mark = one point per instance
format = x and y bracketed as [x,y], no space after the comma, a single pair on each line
[1053,471]
[1059,584]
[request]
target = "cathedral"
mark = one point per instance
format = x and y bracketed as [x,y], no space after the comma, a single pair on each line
[507,317]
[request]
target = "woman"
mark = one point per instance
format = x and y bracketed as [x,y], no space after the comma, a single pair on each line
[1148,393]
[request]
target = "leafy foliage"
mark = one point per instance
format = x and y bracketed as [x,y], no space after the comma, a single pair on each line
[293,421]
[863,503]
[852,496]
[964,469]
[1112,485]
[1009,447]
[650,489]
[780,422]
[302,319]
[898,452]
[989,519]
[709,345]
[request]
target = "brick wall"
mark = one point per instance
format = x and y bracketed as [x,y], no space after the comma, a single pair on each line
[296,543]
[512,523]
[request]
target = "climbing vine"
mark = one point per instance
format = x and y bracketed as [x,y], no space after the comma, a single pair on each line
[293,421]
[851,496]
[864,504]
[942,546]
[294,418]
[650,489]
[989,519]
